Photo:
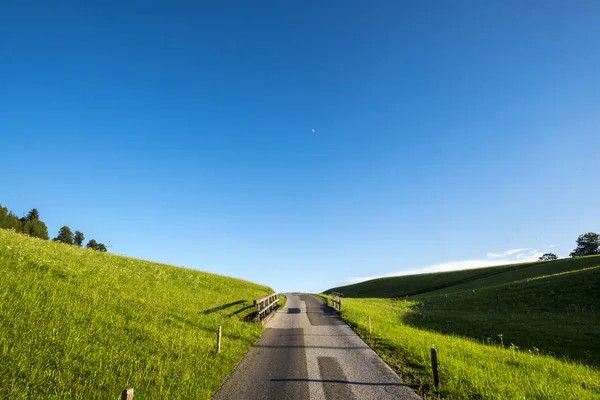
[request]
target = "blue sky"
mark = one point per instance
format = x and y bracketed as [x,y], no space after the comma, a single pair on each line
[447,134]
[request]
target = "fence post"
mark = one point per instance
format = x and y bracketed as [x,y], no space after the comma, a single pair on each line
[370,330]
[127,394]
[219,340]
[434,367]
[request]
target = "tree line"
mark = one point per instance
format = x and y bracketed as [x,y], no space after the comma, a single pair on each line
[32,225]
[588,244]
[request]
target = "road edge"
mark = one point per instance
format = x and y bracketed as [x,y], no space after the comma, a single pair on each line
[412,387]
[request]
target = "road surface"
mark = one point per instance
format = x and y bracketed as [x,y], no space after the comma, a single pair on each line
[308,353]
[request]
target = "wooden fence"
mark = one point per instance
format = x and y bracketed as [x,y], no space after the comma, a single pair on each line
[336,300]
[265,305]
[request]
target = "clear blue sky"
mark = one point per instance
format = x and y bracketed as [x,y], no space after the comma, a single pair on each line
[445,131]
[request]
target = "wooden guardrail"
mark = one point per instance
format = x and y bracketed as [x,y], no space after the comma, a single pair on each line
[265,305]
[336,300]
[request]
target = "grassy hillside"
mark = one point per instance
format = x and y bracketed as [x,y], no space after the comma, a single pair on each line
[76,323]
[402,286]
[512,332]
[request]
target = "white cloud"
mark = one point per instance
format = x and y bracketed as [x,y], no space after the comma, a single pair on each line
[508,252]
[525,254]
[515,251]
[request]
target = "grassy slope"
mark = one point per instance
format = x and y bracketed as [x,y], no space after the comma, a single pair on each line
[75,323]
[549,307]
[401,286]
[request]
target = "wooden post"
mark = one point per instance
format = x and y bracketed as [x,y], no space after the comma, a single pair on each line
[370,330]
[219,340]
[127,394]
[434,367]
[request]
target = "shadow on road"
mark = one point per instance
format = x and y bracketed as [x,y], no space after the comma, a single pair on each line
[311,347]
[343,382]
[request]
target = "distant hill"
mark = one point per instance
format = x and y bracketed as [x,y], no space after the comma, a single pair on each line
[79,324]
[508,332]
[412,285]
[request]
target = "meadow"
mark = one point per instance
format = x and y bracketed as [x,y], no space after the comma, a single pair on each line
[76,323]
[526,331]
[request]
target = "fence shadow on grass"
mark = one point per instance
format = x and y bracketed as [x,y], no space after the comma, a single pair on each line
[222,307]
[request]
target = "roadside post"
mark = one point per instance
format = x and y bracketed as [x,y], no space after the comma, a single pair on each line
[127,394]
[219,339]
[434,367]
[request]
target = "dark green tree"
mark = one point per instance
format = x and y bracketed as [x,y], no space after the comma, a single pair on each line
[78,238]
[64,235]
[101,247]
[92,244]
[587,244]
[548,257]
[36,228]
[32,225]
[8,220]
[33,215]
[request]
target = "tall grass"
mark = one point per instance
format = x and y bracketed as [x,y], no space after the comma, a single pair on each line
[520,333]
[468,369]
[555,314]
[75,323]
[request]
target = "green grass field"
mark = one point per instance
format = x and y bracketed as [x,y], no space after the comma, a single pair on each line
[526,331]
[79,324]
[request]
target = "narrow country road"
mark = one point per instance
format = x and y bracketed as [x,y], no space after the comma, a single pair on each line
[308,353]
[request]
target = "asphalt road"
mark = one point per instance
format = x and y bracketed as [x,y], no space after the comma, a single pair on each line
[308,353]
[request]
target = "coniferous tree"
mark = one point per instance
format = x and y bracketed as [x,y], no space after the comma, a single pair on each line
[78,238]
[36,228]
[33,215]
[8,220]
[64,235]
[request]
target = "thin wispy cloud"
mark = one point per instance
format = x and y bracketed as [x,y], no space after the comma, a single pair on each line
[508,252]
[512,256]
[515,251]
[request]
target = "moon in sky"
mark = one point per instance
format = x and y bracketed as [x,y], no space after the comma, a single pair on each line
[313,130]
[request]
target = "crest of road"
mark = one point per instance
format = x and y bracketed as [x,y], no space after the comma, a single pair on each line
[308,353]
